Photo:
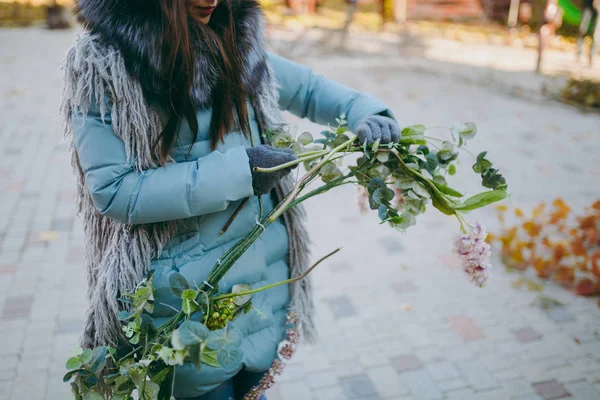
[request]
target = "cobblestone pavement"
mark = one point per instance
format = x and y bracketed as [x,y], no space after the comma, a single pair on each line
[397,318]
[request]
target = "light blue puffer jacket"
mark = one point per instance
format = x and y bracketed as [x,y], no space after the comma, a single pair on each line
[202,190]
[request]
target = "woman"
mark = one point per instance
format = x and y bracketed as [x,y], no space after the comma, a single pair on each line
[166,102]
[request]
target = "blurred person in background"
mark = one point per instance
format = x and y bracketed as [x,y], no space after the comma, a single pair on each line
[590,16]
[551,21]
[167,103]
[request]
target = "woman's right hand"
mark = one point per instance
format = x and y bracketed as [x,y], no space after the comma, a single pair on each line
[265,156]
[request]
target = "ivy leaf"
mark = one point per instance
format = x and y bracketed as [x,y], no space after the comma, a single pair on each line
[73,363]
[229,356]
[192,332]
[178,283]
[241,300]
[482,200]
[414,134]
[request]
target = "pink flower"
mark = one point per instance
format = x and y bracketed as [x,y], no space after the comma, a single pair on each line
[287,351]
[292,336]
[362,198]
[474,253]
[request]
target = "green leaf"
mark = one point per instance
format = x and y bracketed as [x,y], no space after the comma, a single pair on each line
[166,384]
[451,169]
[493,180]
[447,190]
[188,304]
[229,356]
[282,140]
[224,337]
[439,179]
[87,357]
[178,283]
[209,357]
[196,356]
[151,391]
[91,395]
[117,397]
[432,162]
[405,182]
[382,195]
[99,359]
[124,315]
[71,374]
[176,340]
[338,140]
[382,211]
[383,156]
[414,134]
[305,138]
[420,190]
[193,332]
[482,200]
[75,391]
[403,221]
[241,300]
[442,204]
[465,131]
[74,363]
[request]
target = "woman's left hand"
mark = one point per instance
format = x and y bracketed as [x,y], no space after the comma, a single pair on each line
[378,127]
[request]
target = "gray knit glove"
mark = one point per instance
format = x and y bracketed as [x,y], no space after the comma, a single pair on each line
[268,157]
[378,127]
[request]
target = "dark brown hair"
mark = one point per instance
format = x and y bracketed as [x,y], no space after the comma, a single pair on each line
[178,59]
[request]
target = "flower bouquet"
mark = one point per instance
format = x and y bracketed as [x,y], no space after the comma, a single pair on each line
[397,180]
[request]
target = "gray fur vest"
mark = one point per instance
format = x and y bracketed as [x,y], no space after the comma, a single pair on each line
[117,255]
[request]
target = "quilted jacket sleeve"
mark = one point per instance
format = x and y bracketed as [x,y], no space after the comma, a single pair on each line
[176,191]
[319,99]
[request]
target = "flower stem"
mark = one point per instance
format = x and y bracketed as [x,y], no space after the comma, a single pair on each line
[272,285]
[291,163]
[292,195]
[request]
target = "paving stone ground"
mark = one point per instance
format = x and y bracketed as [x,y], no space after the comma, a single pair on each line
[396,317]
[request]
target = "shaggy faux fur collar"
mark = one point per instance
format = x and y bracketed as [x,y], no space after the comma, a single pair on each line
[134,27]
